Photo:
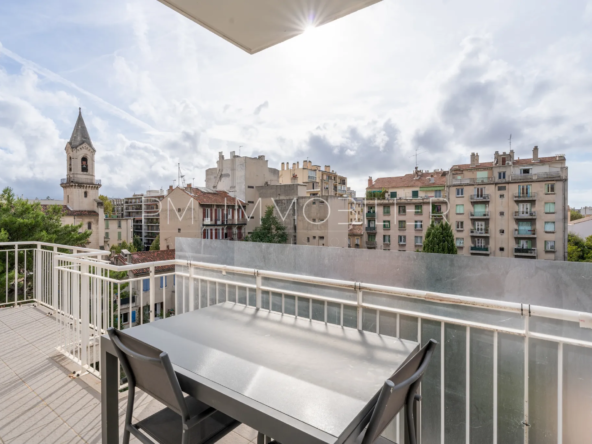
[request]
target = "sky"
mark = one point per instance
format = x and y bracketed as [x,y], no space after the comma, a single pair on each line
[440,78]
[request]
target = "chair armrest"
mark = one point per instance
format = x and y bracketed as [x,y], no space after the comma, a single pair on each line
[192,422]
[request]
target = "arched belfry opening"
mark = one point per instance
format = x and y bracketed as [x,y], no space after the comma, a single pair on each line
[84,165]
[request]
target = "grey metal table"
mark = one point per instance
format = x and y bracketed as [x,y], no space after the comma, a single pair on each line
[296,380]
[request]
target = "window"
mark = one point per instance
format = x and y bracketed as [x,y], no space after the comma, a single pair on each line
[418,240]
[178,230]
[502,231]
[119,235]
[118,224]
[524,190]
[460,242]
[386,210]
[163,281]
[550,188]
[418,209]
[524,171]
[501,175]
[349,242]
[479,192]
[89,225]
[85,194]
[125,318]
[386,239]
[460,209]
[549,245]
[549,227]
[418,225]
[357,241]
[371,238]
[106,235]
[106,224]
[502,248]
[460,225]
[393,194]
[402,240]
[402,209]
[415,194]
[402,225]
[84,165]
[501,213]
[314,202]
[438,193]
[502,196]
[436,209]
[308,239]
[386,224]
[501,188]
[460,192]
[146,285]
[250,186]
[549,207]
[482,176]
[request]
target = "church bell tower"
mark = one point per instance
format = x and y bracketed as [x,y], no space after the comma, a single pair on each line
[81,189]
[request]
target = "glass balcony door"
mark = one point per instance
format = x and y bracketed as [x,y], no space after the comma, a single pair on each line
[524,228]
[524,209]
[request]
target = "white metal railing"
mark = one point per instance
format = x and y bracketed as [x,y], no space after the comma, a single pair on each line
[86,298]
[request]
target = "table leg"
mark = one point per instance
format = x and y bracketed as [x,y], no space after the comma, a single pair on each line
[262,439]
[109,394]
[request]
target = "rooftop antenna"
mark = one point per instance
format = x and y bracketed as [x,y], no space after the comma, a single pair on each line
[239,150]
[510,140]
[415,155]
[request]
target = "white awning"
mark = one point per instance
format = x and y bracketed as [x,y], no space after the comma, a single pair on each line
[254,25]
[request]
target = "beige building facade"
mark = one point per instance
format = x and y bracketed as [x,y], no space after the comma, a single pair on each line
[510,207]
[399,210]
[200,213]
[117,231]
[319,181]
[310,220]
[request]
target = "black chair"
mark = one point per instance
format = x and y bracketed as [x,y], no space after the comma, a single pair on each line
[185,420]
[399,391]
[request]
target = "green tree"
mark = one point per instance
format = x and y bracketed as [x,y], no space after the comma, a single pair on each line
[22,221]
[271,230]
[138,244]
[155,244]
[578,249]
[575,215]
[439,239]
[107,205]
[116,249]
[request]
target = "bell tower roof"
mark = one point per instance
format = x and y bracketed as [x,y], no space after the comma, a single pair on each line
[80,134]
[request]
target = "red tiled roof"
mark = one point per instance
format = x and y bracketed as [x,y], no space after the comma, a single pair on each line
[409,180]
[215,197]
[142,257]
[468,166]
[67,211]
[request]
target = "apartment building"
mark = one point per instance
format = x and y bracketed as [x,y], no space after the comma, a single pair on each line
[200,213]
[134,300]
[144,210]
[117,231]
[319,182]
[510,207]
[309,220]
[118,207]
[355,236]
[399,209]
[356,210]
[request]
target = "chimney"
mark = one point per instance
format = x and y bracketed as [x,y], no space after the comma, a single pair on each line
[293,166]
[535,154]
[511,155]
[170,188]
[298,164]
[283,166]
[370,181]
[476,158]
[232,154]
[188,187]
[310,164]
[328,168]
[472,159]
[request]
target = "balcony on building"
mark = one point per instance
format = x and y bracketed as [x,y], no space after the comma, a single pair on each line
[523,251]
[479,215]
[386,245]
[480,250]
[480,232]
[530,232]
[525,196]
[525,215]
[370,244]
[479,197]
[371,215]
[370,229]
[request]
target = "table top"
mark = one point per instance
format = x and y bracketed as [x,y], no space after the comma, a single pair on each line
[322,375]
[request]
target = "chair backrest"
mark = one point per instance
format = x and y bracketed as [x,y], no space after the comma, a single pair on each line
[149,369]
[396,391]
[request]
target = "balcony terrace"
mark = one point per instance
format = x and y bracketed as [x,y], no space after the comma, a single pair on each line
[480,198]
[480,250]
[479,214]
[506,357]
[525,215]
[480,232]
[525,197]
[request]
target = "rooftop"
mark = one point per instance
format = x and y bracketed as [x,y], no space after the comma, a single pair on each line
[420,179]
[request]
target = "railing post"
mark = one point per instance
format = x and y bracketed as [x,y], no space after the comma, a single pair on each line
[360,295]
[191,288]
[54,301]
[15,275]
[38,273]
[258,280]
[84,314]
[152,294]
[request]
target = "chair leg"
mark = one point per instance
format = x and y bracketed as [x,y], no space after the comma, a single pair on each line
[262,439]
[128,413]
